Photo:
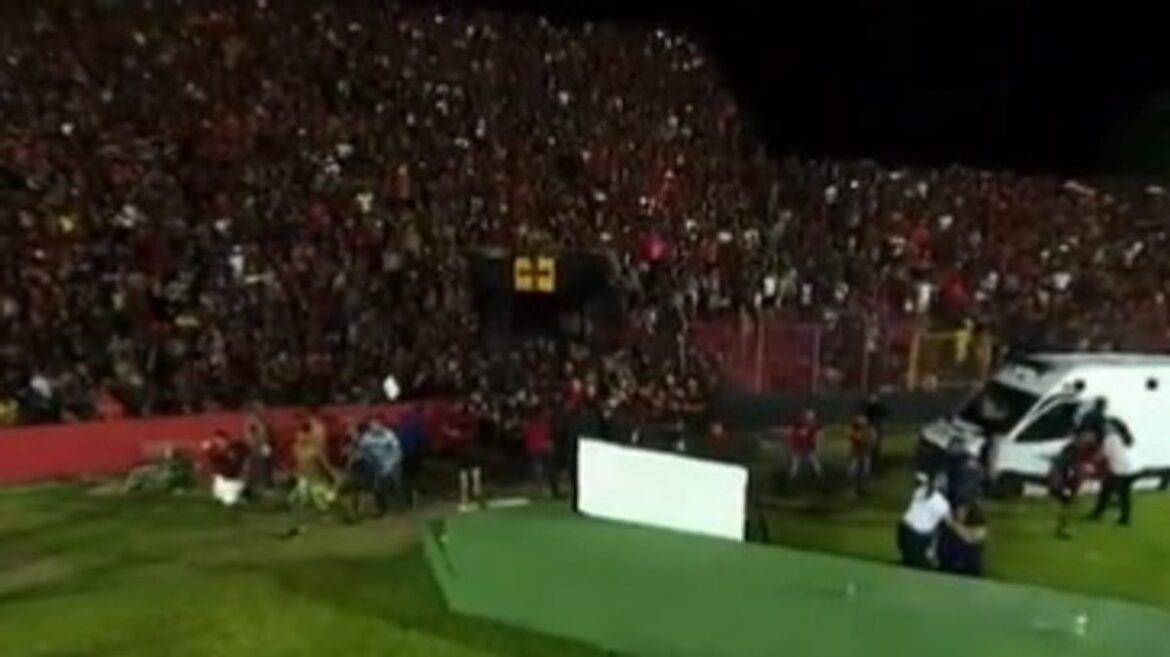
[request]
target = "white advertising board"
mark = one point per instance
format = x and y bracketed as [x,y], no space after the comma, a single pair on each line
[661,490]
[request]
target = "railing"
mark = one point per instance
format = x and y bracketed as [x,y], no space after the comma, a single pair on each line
[850,353]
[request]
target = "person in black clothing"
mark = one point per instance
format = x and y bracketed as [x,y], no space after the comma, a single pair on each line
[876,413]
[965,479]
[961,540]
[564,453]
[1119,472]
[1094,420]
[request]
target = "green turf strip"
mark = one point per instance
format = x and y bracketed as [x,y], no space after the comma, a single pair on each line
[132,577]
[652,593]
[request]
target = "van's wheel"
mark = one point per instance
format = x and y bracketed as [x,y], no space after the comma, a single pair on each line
[1008,487]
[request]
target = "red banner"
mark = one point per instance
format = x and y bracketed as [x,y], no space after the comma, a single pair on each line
[63,451]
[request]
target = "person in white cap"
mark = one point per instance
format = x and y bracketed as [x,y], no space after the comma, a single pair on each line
[919,526]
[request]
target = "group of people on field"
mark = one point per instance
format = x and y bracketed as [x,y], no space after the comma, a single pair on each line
[320,465]
[944,525]
[803,441]
[942,528]
[1100,449]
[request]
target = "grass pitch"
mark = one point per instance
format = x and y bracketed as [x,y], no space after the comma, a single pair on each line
[85,574]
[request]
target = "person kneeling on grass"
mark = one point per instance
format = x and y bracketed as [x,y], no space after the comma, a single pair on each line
[961,540]
[919,525]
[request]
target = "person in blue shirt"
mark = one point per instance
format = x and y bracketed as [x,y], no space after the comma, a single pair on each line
[412,436]
[377,463]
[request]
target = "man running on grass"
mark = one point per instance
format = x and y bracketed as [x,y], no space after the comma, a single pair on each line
[1070,468]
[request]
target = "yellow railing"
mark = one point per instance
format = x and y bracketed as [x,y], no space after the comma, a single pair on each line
[940,359]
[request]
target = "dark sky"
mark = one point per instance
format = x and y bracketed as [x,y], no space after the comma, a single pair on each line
[1020,85]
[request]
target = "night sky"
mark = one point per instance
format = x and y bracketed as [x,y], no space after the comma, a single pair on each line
[1026,86]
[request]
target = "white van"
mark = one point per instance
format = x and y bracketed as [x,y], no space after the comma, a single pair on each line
[1028,410]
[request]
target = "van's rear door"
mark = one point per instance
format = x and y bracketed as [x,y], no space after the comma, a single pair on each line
[1029,451]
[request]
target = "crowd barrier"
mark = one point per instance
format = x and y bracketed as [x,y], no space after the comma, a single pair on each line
[782,354]
[67,451]
[752,412]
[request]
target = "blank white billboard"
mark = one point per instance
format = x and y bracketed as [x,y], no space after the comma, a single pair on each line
[668,491]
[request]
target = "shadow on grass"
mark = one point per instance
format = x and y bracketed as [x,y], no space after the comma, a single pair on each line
[92,577]
[400,589]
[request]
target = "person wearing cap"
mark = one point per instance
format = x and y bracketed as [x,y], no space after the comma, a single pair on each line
[919,525]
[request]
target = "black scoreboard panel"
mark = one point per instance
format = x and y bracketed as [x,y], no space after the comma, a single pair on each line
[529,292]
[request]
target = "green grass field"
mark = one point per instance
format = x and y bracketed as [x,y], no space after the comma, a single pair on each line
[92,574]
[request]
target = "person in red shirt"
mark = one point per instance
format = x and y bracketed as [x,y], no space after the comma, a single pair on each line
[539,446]
[804,437]
[462,437]
[862,438]
[226,459]
[224,456]
[718,440]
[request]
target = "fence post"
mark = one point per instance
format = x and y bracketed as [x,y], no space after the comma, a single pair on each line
[816,357]
[866,336]
[912,364]
[760,351]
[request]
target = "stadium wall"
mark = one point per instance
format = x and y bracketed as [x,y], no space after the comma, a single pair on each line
[749,412]
[67,451]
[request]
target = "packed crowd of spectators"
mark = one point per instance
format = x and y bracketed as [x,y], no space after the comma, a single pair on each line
[209,204]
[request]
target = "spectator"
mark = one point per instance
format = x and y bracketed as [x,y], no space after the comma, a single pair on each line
[314,475]
[262,455]
[377,464]
[539,445]
[1071,467]
[876,414]
[1119,472]
[961,540]
[249,201]
[919,525]
[862,437]
[804,438]
[227,460]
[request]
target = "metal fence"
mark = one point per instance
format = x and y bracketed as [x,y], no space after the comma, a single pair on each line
[850,354]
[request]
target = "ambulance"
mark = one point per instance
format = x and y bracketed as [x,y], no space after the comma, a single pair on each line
[1027,411]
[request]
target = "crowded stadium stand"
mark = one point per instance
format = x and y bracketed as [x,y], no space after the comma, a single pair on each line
[227,202]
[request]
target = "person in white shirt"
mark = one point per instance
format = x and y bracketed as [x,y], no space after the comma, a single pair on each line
[919,526]
[1120,474]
